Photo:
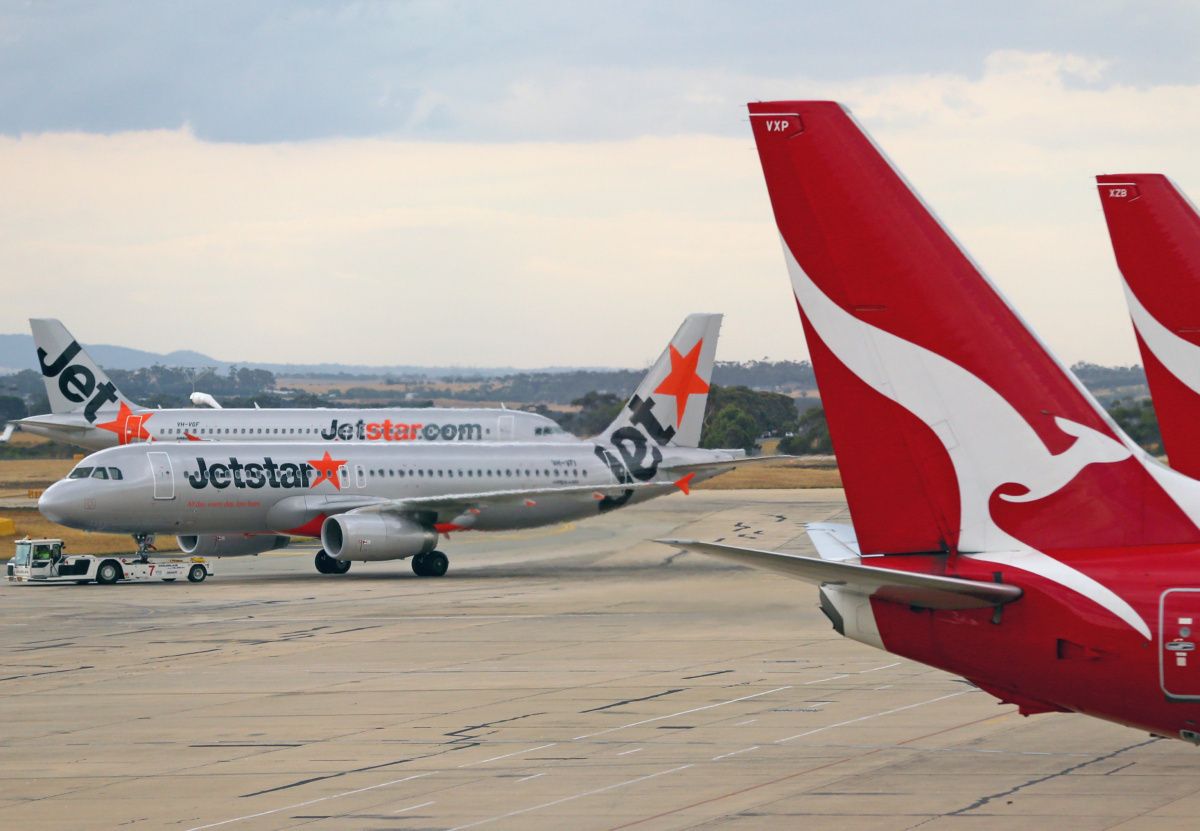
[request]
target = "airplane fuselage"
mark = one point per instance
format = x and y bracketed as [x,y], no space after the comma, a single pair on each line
[290,488]
[1053,651]
[434,424]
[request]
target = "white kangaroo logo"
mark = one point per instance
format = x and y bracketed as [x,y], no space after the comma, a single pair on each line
[989,443]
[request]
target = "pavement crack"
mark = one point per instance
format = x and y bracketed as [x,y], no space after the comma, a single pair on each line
[979,803]
[625,701]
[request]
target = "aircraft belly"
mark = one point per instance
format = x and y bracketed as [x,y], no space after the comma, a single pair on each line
[91,440]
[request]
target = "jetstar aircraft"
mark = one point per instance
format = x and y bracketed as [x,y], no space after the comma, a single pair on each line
[1003,527]
[385,502]
[88,410]
[1155,234]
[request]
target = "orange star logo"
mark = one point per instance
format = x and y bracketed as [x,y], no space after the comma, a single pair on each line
[327,468]
[683,380]
[128,425]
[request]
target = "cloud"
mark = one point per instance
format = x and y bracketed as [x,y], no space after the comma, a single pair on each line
[567,252]
[280,70]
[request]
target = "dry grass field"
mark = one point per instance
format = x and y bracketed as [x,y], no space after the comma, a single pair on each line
[32,524]
[785,473]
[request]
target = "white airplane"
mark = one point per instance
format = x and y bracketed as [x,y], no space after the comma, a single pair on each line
[372,501]
[88,410]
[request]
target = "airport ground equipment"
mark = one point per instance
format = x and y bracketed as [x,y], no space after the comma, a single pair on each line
[44,561]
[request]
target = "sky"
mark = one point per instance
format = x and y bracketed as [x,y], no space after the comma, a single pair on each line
[547,183]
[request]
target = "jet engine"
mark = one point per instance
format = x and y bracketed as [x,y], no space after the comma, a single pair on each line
[375,536]
[229,545]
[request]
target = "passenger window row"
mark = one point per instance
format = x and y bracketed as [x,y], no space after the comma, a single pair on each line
[239,431]
[468,473]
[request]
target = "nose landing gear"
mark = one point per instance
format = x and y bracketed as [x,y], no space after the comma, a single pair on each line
[145,546]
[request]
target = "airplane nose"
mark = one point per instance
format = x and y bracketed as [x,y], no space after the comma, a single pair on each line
[55,503]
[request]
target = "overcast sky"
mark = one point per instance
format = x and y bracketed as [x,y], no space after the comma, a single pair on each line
[544,182]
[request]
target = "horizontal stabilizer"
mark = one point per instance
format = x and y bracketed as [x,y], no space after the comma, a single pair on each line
[720,465]
[927,591]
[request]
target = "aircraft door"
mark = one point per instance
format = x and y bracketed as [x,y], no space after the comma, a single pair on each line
[360,476]
[1178,636]
[505,427]
[133,428]
[164,475]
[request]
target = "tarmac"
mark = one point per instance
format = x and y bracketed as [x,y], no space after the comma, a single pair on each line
[577,677]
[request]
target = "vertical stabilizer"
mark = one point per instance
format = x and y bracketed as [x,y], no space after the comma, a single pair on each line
[74,382]
[1155,234]
[668,405]
[954,427]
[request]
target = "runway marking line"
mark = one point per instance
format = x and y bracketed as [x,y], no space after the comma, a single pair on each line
[830,678]
[627,752]
[799,773]
[563,799]
[532,776]
[681,713]
[413,807]
[506,755]
[876,669]
[310,802]
[872,715]
[736,752]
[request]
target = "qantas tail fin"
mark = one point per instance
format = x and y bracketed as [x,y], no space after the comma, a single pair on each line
[667,408]
[1155,235]
[74,382]
[954,427]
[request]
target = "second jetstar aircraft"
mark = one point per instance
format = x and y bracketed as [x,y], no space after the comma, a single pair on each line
[382,502]
[88,410]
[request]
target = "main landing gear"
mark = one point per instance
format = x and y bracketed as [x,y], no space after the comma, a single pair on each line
[430,564]
[327,565]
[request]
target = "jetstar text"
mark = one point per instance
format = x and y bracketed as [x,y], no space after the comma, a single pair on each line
[389,430]
[250,474]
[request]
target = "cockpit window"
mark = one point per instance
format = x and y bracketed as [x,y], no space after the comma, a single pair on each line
[99,473]
[80,473]
[115,473]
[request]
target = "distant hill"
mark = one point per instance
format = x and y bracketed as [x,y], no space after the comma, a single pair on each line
[17,352]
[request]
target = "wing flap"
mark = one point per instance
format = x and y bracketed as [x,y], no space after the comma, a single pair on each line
[929,591]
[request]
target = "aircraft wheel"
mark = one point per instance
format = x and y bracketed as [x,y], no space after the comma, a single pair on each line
[435,564]
[418,565]
[108,573]
[197,573]
[339,566]
[324,562]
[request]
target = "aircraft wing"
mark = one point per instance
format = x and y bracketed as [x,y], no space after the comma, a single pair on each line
[468,503]
[928,591]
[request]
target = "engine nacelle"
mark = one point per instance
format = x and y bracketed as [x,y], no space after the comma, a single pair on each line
[375,537]
[229,545]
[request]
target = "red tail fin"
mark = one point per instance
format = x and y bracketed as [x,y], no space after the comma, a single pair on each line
[1155,234]
[953,425]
